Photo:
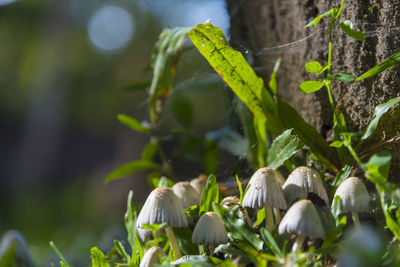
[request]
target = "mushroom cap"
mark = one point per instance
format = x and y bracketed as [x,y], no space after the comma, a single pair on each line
[353,195]
[302,219]
[187,194]
[301,181]
[199,183]
[229,201]
[151,257]
[162,206]
[264,190]
[209,230]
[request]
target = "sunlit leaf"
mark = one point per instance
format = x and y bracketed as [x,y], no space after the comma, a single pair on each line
[133,123]
[260,217]
[282,148]
[314,22]
[378,112]
[241,195]
[236,72]
[98,258]
[311,86]
[198,261]
[313,66]
[388,63]
[121,250]
[342,175]
[210,194]
[129,168]
[336,144]
[347,27]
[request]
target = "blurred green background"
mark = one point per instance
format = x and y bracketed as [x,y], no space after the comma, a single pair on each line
[66,70]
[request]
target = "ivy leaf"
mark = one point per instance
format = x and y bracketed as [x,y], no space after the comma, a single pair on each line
[313,66]
[282,148]
[311,86]
[98,258]
[129,168]
[388,63]
[378,112]
[347,27]
[210,194]
[133,123]
[236,72]
[344,76]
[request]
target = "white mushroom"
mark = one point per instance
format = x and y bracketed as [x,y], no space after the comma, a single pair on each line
[199,183]
[187,194]
[209,230]
[301,181]
[302,219]
[163,206]
[354,197]
[152,257]
[229,201]
[264,191]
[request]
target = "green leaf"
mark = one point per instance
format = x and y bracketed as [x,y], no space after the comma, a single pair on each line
[121,250]
[388,63]
[133,123]
[336,144]
[271,243]
[273,85]
[378,112]
[313,66]
[129,168]
[165,58]
[165,182]
[236,72]
[184,239]
[150,150]
[197,261]
[282,148]
[210,194]
[311,86]
[241,195]
[342,175]
[314,22]
[130,220]
[238,229]
[98,258]
[307,134]
[378,165]
[344,76]
[260,217]
[59,254]
[347,27]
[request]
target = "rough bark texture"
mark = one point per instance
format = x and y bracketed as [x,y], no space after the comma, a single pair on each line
[261,27]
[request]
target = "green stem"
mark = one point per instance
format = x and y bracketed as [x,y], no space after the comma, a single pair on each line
[269,219]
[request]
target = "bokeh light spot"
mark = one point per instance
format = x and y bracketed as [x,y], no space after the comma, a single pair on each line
[111,28]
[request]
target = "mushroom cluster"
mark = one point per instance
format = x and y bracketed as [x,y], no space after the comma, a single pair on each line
[267,189]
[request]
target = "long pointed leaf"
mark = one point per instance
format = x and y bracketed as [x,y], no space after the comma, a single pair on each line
[388,63]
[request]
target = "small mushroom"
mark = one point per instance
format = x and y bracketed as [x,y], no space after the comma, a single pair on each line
[264,191]
[152,257]
[302,219]
[354,197]
[163,206]
[199,183]
[209,230]
[187,194]
[229,201]
[301,181]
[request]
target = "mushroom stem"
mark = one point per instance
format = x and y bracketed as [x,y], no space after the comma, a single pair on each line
[269,219]
[277,216]
[173,243]
[298,243]
[356,220]
[201,249]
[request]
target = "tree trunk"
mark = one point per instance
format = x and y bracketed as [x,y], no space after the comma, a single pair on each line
[268,29]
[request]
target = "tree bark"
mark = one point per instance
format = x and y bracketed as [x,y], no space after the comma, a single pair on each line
[265,30]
